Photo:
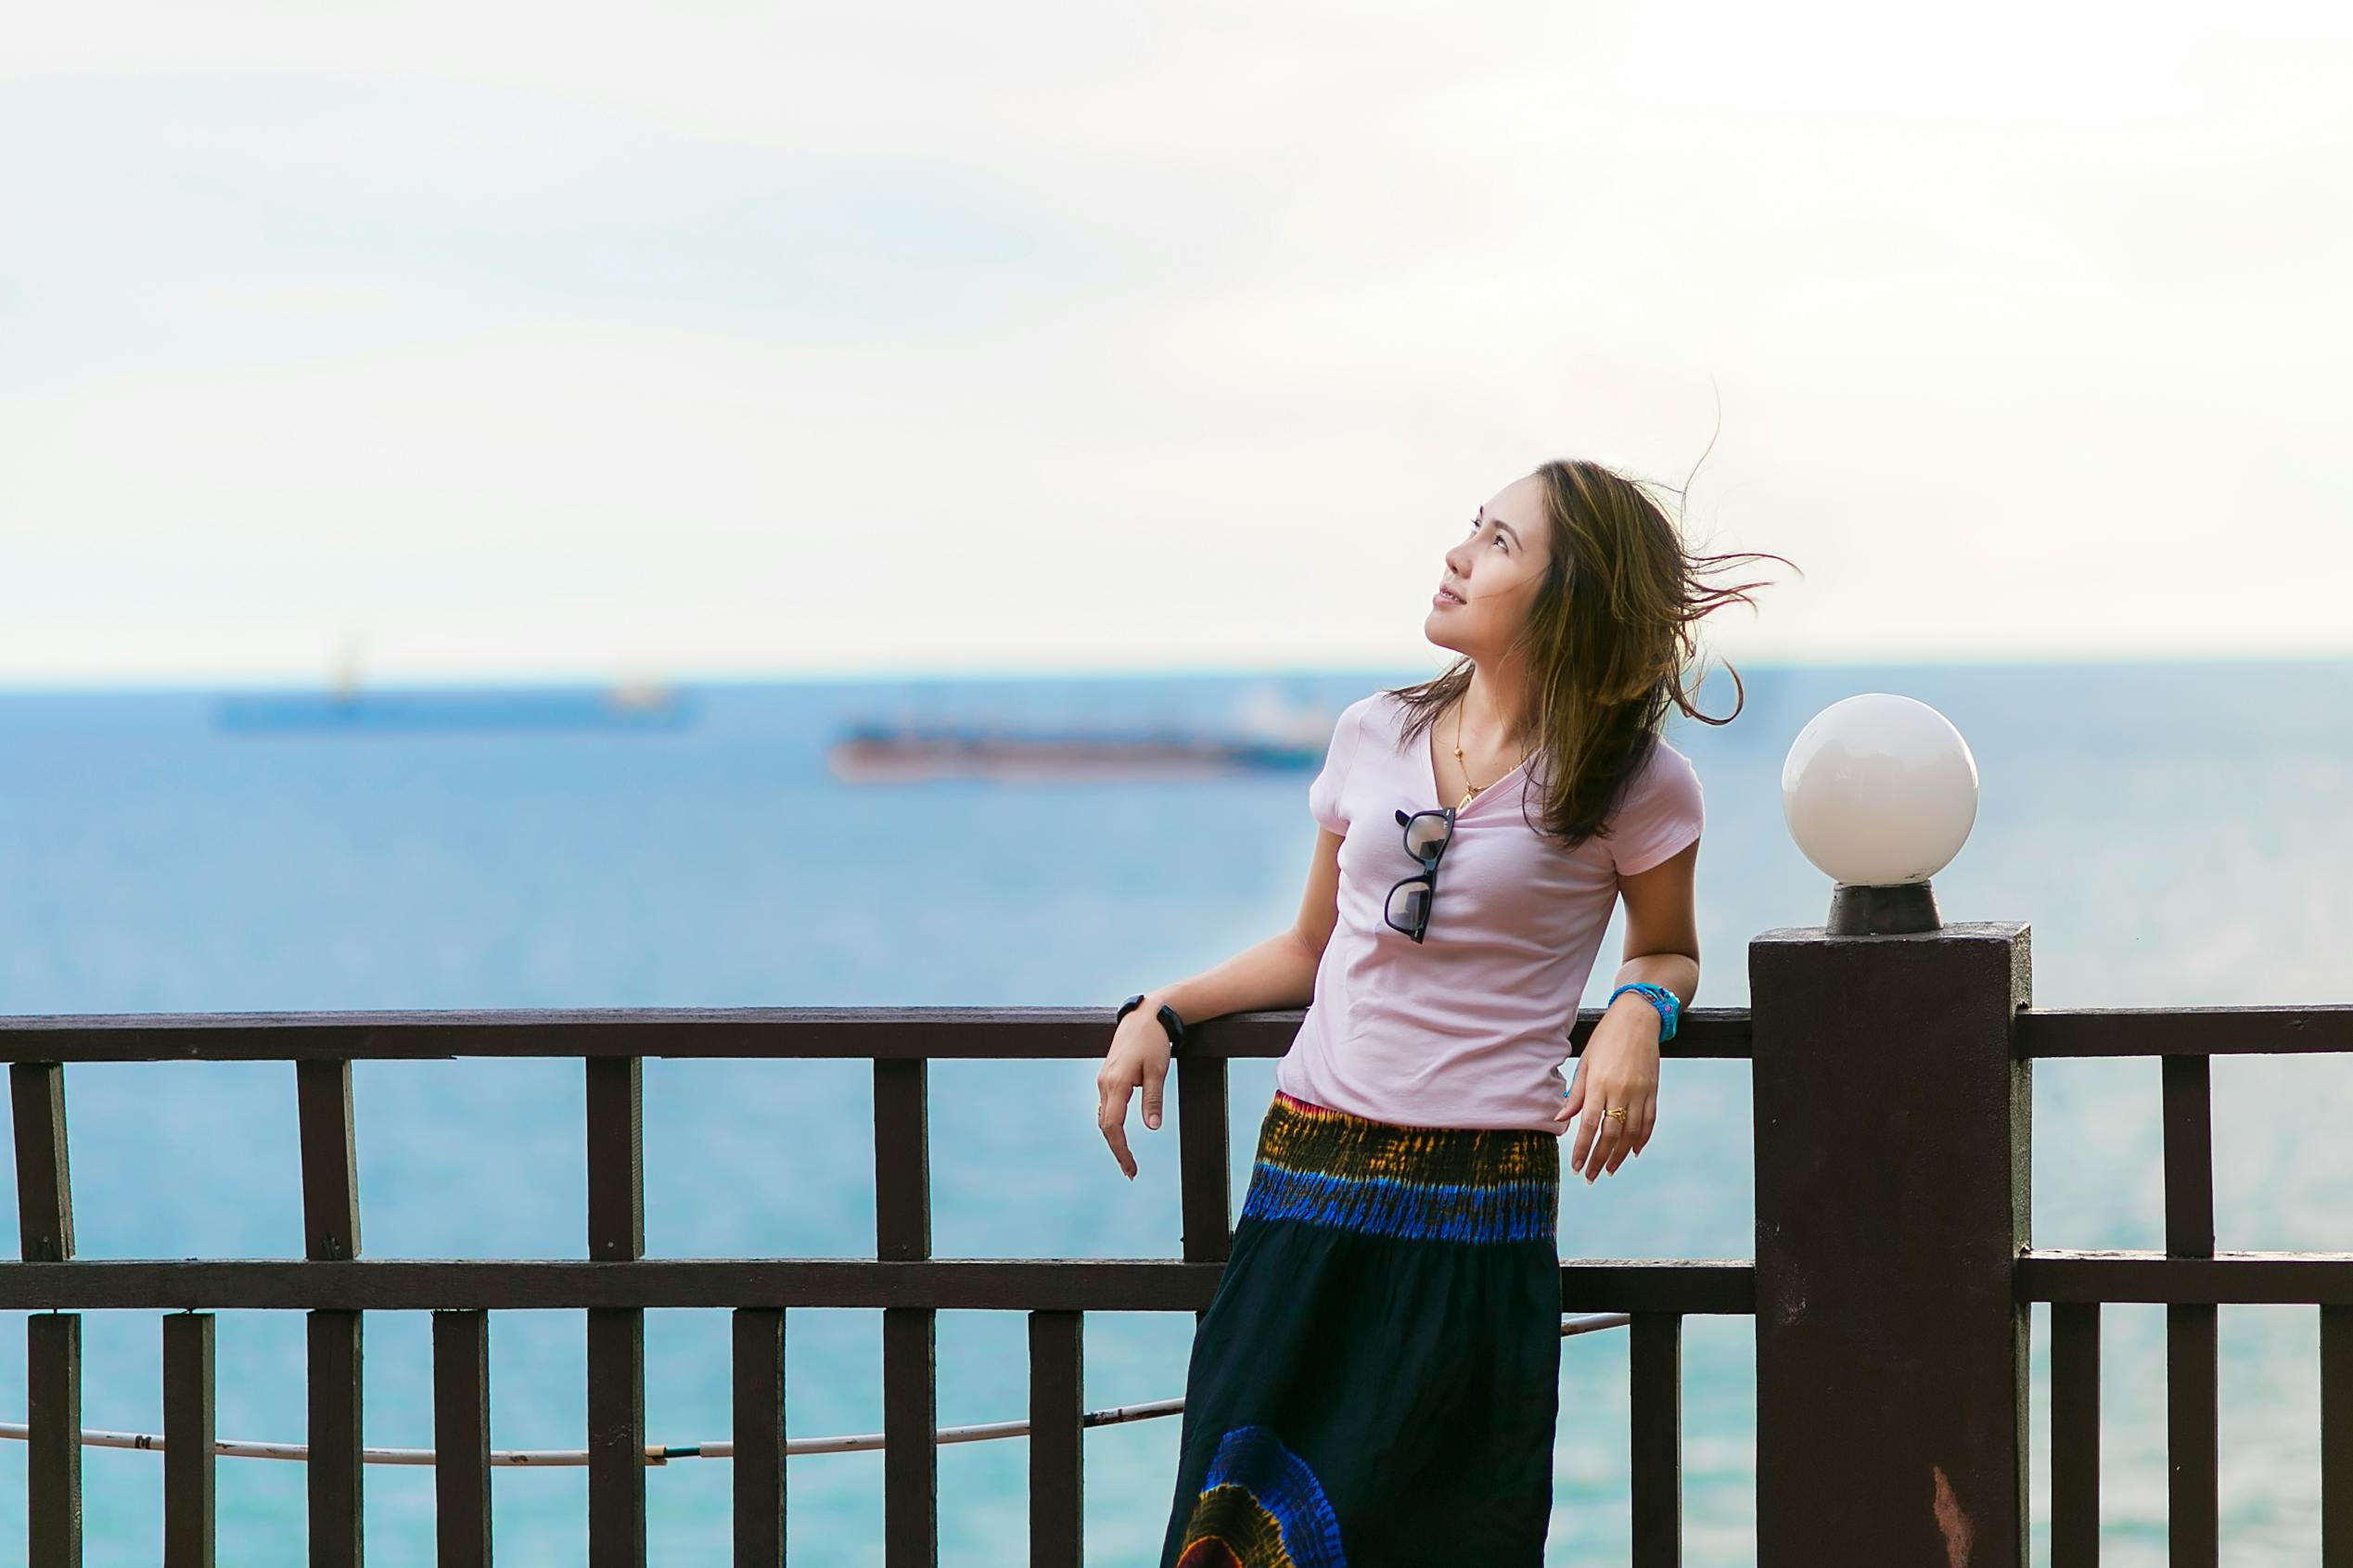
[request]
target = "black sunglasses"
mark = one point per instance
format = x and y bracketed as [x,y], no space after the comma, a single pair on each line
[1426,836]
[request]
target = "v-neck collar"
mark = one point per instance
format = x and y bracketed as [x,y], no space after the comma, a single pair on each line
[1429,770]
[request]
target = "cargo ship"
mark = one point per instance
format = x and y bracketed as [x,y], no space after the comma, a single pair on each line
[876,752]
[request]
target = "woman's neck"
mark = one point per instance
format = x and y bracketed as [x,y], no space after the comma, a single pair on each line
[1489,710]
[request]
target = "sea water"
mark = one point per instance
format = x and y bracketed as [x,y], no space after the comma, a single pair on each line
[2176,833]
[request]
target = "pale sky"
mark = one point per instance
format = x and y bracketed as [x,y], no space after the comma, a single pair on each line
[696,341]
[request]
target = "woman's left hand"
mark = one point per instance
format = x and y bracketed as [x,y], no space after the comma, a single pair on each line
[1618,1068]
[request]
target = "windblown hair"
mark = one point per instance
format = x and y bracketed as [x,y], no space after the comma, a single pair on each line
[1607,635]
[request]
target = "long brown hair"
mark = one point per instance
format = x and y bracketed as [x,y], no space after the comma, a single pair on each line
[1606,638]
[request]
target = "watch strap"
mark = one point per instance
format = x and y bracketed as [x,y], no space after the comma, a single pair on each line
[1171,1025]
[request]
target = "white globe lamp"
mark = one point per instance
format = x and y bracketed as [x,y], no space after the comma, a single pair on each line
[1879,792]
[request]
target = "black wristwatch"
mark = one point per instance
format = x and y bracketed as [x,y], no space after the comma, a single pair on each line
[1170,1022]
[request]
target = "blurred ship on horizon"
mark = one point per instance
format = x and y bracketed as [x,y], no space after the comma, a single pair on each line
[622,705]
[1266,734]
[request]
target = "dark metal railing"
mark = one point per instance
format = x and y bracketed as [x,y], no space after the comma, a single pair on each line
[2191,1279]
[334,1285]
[1890,1286]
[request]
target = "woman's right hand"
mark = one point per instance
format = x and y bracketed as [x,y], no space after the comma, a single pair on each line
[1138,1059]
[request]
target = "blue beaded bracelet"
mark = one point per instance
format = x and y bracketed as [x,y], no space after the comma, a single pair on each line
[1658,997]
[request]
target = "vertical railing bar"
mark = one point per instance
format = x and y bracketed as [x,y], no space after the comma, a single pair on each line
[616,1334]
[903,1158]
[910,1334]
[52,1340]
[2075,1433]
[333,1470]
[1057,1512]
[461,1437]
[2193,1493]
[2193,1436]
[53,1460]
[909,1462]
[1205,1182]
[616,1437]
[2189,1156]
[189,1511]
[1654,1357]
[330,1169]
[616,1158]
[331,1232]
[44,1182]
[759,1436]
[2336,1437]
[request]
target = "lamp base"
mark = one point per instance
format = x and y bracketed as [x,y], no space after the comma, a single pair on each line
[1889,910]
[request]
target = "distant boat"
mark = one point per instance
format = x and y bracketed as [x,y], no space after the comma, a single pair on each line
[635,706]
[873,752]
[628,705]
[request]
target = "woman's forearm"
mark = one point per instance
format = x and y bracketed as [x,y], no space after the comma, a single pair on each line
[1278,972]
[1677,971]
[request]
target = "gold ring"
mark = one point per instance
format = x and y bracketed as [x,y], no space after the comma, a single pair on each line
[1619,1111]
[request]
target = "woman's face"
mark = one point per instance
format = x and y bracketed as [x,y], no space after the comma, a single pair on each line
[1490,573]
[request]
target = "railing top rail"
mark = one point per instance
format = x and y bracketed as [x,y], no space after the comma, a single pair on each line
[855,1033]
[2183,1031]
[994,1033]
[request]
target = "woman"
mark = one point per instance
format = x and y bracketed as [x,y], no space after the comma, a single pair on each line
[1376,1378]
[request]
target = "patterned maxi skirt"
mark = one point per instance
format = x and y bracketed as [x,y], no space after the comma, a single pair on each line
[1376,1378]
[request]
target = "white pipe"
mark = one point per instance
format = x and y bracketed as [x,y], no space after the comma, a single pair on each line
[660,1453]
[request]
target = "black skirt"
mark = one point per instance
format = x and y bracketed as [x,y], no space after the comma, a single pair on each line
[1378,1377]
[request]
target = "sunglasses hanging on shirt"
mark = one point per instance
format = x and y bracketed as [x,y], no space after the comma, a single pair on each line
[1426,836]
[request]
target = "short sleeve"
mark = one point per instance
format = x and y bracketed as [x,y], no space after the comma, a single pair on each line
[1664,814]
[1323,793]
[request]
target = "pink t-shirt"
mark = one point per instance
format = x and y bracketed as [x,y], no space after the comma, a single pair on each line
[1470,1026]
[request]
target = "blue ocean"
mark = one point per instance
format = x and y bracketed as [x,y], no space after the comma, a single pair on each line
[2176,834]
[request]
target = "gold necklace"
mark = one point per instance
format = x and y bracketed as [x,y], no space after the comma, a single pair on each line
[1469,794]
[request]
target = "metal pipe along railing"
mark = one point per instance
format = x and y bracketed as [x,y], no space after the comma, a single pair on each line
[662,1453]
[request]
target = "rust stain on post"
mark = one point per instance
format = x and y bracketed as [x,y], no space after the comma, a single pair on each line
[1951,1521]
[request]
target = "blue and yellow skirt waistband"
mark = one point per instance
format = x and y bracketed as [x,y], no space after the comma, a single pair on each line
[1328,1166]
